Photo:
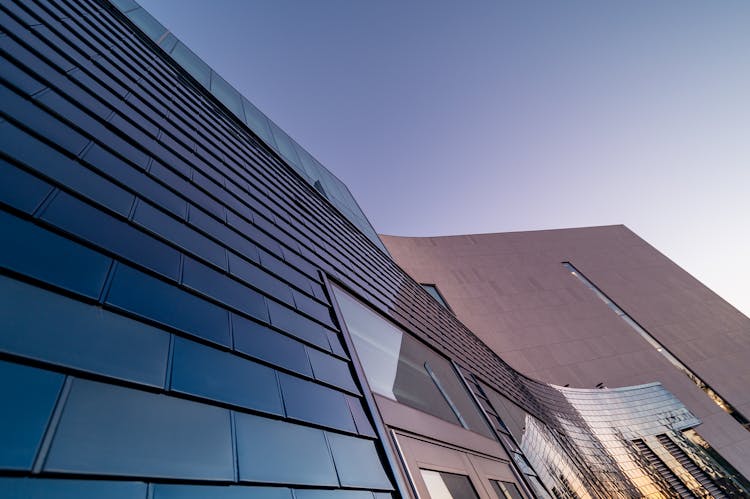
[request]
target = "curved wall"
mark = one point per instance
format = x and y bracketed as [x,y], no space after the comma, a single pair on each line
[512,290]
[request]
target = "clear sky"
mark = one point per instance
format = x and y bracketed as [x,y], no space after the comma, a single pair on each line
[491,116]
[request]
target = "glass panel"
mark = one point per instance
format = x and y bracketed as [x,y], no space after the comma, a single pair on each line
[39,253]
[223,288]
[27,397]
[153,28]
[119,237]
[278,452]
[110,430]
[211,373]
[164,491]
[266,344]
[153,299]
[21,190]
[432,289]
[314,403]
[400,367]
[443,485]
[33,488]
[357,462]
[192,63]
[506,490]
[79,335]
[331,370]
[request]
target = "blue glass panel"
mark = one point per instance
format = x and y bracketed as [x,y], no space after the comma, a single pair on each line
[259,278]
[178,233]
[27,397]
[314,403]
[357,462]
[192,63]
[226,94]
[45,488]
[135,179]
[162,491]
[257,122]
[225,289]
[21,190]
[207,372]
[360,417]
[51,258]
[279,452]
[147,23]
[110,430]
[223,233]
[332,494]
[286,148]
[331,370]
[41,122]
[119,237]
[312,307]
[297,325]
[264,343]
[19,78]
[334,340]
[79,335]
[154,299]
[62,169]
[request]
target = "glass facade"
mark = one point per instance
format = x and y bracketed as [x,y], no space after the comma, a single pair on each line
[170,330]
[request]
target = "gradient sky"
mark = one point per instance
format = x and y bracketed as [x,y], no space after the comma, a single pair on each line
[489,116]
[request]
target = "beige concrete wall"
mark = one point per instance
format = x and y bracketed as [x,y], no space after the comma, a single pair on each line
[513,292]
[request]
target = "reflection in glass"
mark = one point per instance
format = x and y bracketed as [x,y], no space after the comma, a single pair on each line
[443,485]
[401,368]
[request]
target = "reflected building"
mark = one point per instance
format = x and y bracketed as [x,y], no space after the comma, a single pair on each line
[194,307]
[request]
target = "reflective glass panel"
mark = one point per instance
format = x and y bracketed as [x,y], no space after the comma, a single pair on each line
[443,485]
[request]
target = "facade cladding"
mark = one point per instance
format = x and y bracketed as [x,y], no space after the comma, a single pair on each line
[193,307]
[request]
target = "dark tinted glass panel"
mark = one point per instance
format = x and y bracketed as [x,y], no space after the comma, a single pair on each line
[135,179]
[332,494]
[448,485]
[331,370]
[312,308]
[151,298]
[19,78]
[279,452]
[162,491]
[207,372]
[27,397]
[62,169]
[360,417]
[297,325]
[260,279]
[41,122]
[225,289]
[308,401]
[357,462]
[432,289]
[223,233]
[21,190]
[179,233]
[44,488]
[79,335]
[506,490]
[106,429]
[264,343]
[103,230]
[51,258]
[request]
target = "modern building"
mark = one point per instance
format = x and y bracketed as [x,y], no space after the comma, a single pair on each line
[191,306]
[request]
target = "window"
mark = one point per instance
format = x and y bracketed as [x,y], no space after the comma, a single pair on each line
[506,490]
[443,485]
[400,367]
[433,290]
